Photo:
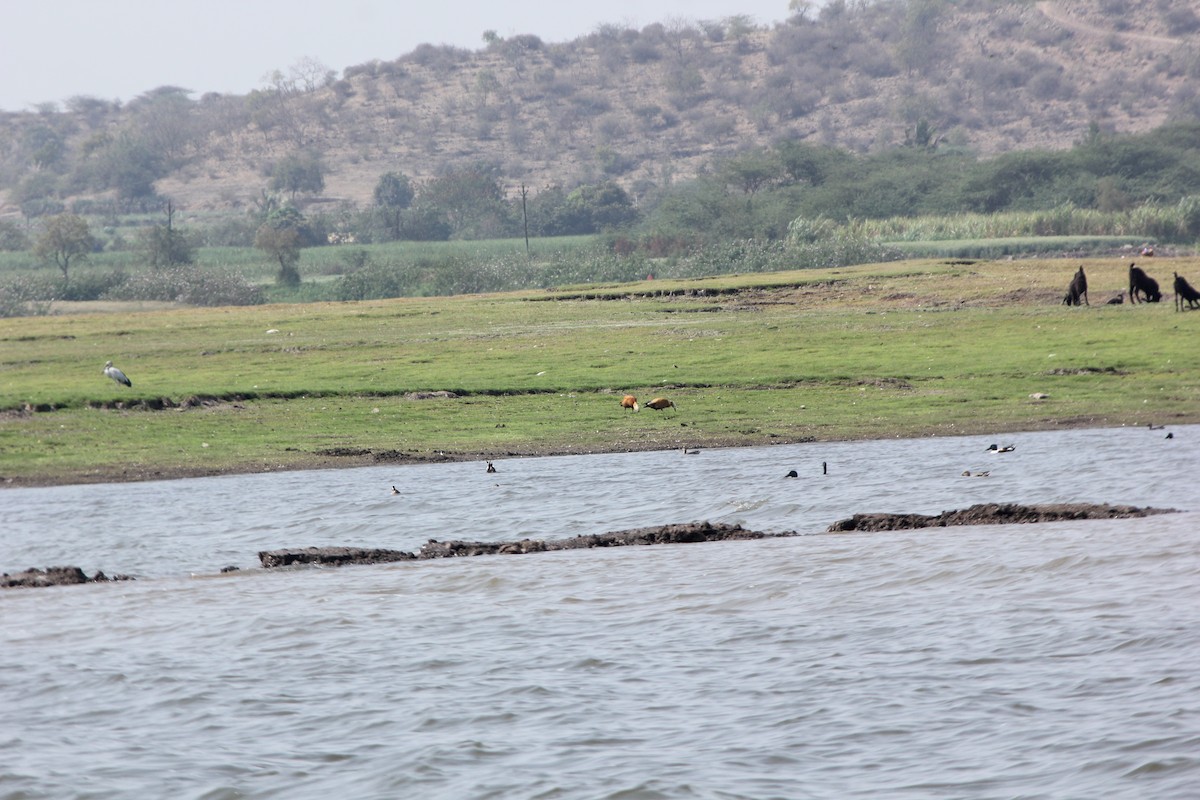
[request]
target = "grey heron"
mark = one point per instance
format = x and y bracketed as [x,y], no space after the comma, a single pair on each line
[116,374]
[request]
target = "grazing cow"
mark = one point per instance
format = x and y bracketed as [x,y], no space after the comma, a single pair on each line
[659,403]
[629,401]
[1077,289]
[1185,291]
[1139,281]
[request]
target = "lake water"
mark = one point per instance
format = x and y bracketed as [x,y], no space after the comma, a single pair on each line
[1058,660]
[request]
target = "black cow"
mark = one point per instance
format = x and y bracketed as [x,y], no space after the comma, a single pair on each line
[1185,291]
[1077,289]
[1141,282]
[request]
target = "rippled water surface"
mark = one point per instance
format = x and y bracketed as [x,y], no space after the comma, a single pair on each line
[1055,660]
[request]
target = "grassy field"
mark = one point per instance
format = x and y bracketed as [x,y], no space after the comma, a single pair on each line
[314,261]
[901,349]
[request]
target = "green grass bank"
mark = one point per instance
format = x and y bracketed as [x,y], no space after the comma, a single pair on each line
[914,348]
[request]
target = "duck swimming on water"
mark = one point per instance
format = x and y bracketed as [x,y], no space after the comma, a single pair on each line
[1008,448]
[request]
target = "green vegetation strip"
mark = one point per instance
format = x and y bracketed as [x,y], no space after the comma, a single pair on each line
[901,349]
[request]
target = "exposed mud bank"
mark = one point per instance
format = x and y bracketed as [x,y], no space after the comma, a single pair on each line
[684,533]
[54,576]
[660,534]
[993,514]
[982,514]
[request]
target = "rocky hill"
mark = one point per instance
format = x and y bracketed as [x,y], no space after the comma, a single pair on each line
[642,107]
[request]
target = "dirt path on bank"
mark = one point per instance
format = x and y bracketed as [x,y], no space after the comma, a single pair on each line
[1059,16]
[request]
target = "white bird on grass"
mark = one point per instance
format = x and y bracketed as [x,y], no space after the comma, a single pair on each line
[116,374]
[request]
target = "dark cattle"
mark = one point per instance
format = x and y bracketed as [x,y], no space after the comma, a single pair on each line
[1077,289]
[1185,291]
[1140,282]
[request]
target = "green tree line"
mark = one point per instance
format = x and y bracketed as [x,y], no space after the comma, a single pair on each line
[758,193]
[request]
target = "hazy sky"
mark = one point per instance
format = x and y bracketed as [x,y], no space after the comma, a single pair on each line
[117,49]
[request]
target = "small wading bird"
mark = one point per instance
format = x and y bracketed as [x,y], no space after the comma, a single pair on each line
[659,403]
[629,401]
[1008,448]
[116,374]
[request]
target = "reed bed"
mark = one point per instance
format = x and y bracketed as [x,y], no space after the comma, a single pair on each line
[1173,223]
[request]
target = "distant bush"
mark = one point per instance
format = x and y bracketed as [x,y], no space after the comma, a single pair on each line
[593,266]
[12,237]
[377,282]
[843,250]
[814,244]
[745,255]
[91,285]
[237,232]
[28,296]
[189,286]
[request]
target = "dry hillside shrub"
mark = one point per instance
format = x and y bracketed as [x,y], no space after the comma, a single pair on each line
[644,52]
[441,60]
[1048,84]
[591,103]
[872,60]
[716,127]
[610,128]
[1182,21]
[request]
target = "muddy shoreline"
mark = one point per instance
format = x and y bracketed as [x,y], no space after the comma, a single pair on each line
[349,458]
[353,457]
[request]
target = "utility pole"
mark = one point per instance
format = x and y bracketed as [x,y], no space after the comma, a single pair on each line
[525,217]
